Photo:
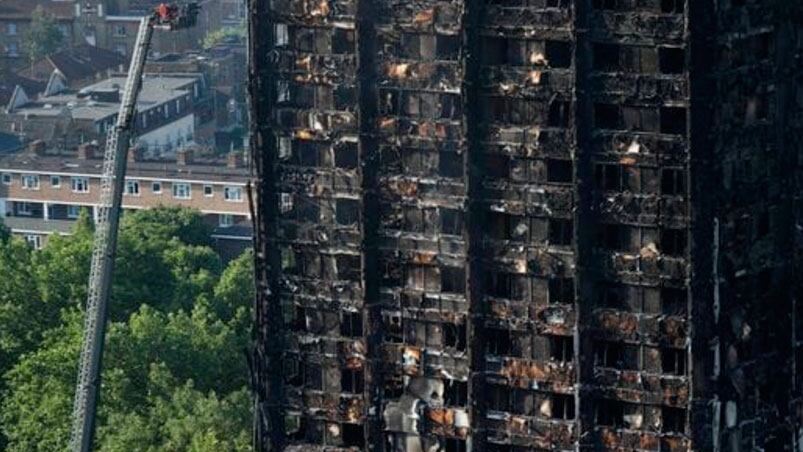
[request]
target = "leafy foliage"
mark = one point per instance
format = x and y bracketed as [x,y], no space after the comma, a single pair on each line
[42,37]
[174,375]
[223,35]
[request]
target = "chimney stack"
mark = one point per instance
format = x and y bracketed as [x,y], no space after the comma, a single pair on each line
[86,151]
[135,154]
[37,147]
[183,157]
[234,159]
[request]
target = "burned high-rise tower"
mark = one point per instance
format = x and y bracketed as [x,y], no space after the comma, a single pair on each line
[527,225]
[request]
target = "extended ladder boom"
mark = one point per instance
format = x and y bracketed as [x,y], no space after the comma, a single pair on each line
[106,225]
[103,252]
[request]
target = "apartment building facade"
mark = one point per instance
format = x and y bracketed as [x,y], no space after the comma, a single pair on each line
[508,226]
[169,108]
[43,193]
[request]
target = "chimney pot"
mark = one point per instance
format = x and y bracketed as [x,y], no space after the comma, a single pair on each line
[87,151]
[135,154]
[234,160]
[37,147]
[183,157]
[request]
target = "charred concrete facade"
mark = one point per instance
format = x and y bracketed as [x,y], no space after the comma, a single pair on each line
[526,225]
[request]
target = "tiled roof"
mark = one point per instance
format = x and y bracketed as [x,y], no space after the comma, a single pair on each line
[22,9]
[80,62]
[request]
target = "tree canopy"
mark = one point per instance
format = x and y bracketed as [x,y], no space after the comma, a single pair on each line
[42,37]
[224,35]
[174,369]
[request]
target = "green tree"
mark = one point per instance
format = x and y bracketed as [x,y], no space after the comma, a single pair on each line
[174,376]
[222,35]
[161,371]
[235,291]
[23,315]
[42,37]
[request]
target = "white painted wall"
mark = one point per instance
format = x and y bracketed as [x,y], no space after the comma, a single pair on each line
[166,139]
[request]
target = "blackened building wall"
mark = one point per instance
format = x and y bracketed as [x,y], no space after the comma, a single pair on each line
[503,225]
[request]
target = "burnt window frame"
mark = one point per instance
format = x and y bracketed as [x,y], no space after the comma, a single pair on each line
[671,60]
[561,348]
[611,177]
[505,285]
[673,420]
[561,291]
[615,237]
[674,361]
[556,171]
[674,301]
[607,116]
[556,50]
[499,342]
[609,413]
[606,57]
[674,242]
[673,182]
[351,324]
[609,355]
[347,211]
[671,119]
[455,335]
[455,393]
[450,274]
[352,381]
[500,398]
[563,407]
[560,231]
[451,221]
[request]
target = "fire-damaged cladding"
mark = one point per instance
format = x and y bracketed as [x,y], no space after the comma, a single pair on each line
[526,225]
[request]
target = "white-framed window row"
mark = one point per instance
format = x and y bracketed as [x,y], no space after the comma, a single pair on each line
[209,191]
[181,190]
[80,184]
[225,220]
[35,241]
[156,187]
[73,212]
[30,181]
[132,187]
[233,193]
[7,178]
[55,181]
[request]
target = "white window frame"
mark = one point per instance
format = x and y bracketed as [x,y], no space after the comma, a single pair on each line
[211,191]
[132,188]
[281,34]
[229,189]
[73,212]
[7,178]
[34,240]
[79,184]
[176,185]
[30,181]
[225,220]
[24,209]
[55,181]
[11,30]
[156,187]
